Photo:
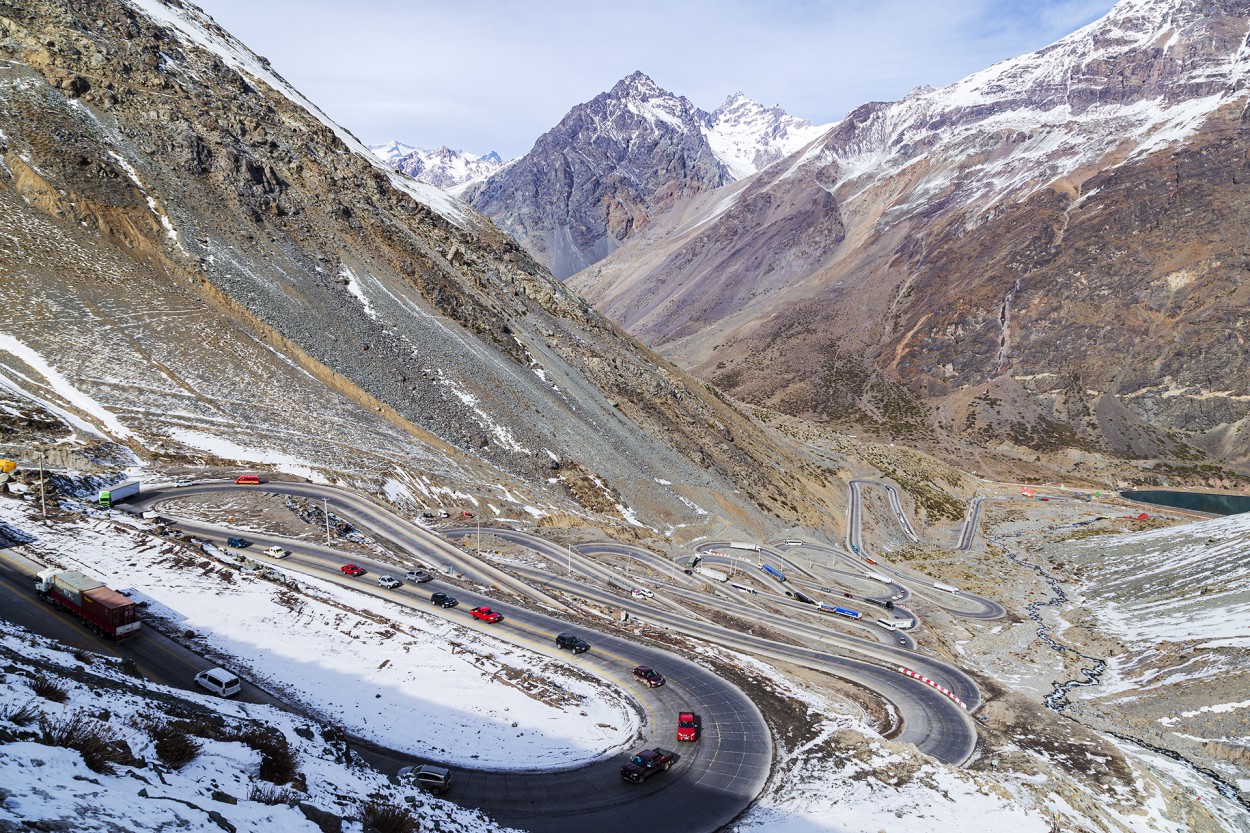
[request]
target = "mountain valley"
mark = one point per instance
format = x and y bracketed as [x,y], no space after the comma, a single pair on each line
[825,423]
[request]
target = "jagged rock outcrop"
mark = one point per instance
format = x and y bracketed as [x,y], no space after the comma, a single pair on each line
[1060,231]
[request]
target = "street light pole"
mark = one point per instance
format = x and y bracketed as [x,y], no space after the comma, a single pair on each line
[43,504]
[325,510]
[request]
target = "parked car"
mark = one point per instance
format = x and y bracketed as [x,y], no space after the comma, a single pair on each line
[418,576]
[443,600]
[486,614]
[236,541]
[466,514]
[572,642]
[429,516]
[436,779]
[443,513]
[276,552]
[352,570]
[389,582]
[641,593]
[689,726]
[651,677]
[248,479]
[184,481]
[219,681]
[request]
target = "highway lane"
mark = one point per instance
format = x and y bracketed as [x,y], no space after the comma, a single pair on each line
[931,720]
[930,713]
[153,656]
[984,608]
[717,778]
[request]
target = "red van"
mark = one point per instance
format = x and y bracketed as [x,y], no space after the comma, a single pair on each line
[248,479]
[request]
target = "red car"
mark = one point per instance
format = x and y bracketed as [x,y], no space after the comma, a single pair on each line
[688,726]
[352,570]
[486,614]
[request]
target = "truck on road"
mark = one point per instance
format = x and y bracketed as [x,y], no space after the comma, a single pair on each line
[116,493]
[712,574]
[105,611]
[945,587]
[648,762]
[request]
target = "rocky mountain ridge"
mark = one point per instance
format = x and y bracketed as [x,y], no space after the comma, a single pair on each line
[1041,256]
[618,160]
[200,265]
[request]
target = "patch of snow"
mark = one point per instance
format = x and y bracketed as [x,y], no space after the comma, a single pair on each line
[64,389]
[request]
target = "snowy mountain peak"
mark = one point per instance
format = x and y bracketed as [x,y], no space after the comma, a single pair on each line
[747,137]
[638,85]
[451,170]
[393,150]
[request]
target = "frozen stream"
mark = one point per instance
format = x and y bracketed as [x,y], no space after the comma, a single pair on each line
[1057,700]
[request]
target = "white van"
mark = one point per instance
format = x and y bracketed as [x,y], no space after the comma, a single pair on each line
[219,681]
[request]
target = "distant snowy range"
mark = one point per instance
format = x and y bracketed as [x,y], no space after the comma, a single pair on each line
[744,136]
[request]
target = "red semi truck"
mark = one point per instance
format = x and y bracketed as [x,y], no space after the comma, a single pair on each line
[105,611]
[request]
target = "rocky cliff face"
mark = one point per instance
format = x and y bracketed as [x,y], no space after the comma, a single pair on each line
[614,163]
[604,171]
[1044,255]
[198,263]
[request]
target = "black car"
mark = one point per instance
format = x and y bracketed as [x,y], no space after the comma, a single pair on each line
[573,643]
[443,600]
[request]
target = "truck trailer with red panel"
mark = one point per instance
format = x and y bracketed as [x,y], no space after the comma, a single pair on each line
[105,611]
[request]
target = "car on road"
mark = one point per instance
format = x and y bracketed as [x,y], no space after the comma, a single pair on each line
[389,582]
[276,552]
[352,570]
[248,479]
[184,481]
[236,541]
[650,676]
[485,614]
[641,593]
[648,762]
[418,576]
[689,726]
[219,681]
[572,642]
[436,779]
[443,600]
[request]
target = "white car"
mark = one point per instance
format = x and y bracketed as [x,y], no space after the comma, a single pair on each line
[184,481]
[276,552]
[389,582]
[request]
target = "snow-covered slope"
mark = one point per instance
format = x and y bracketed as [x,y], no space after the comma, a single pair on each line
[451,170]
[1097,97]
[747,137]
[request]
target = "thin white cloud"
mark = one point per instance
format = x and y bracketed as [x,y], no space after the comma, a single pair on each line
[495,75]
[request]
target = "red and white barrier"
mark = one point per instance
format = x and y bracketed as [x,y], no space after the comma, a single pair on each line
[929,682]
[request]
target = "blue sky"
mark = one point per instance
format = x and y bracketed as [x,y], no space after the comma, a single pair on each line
[482,75]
